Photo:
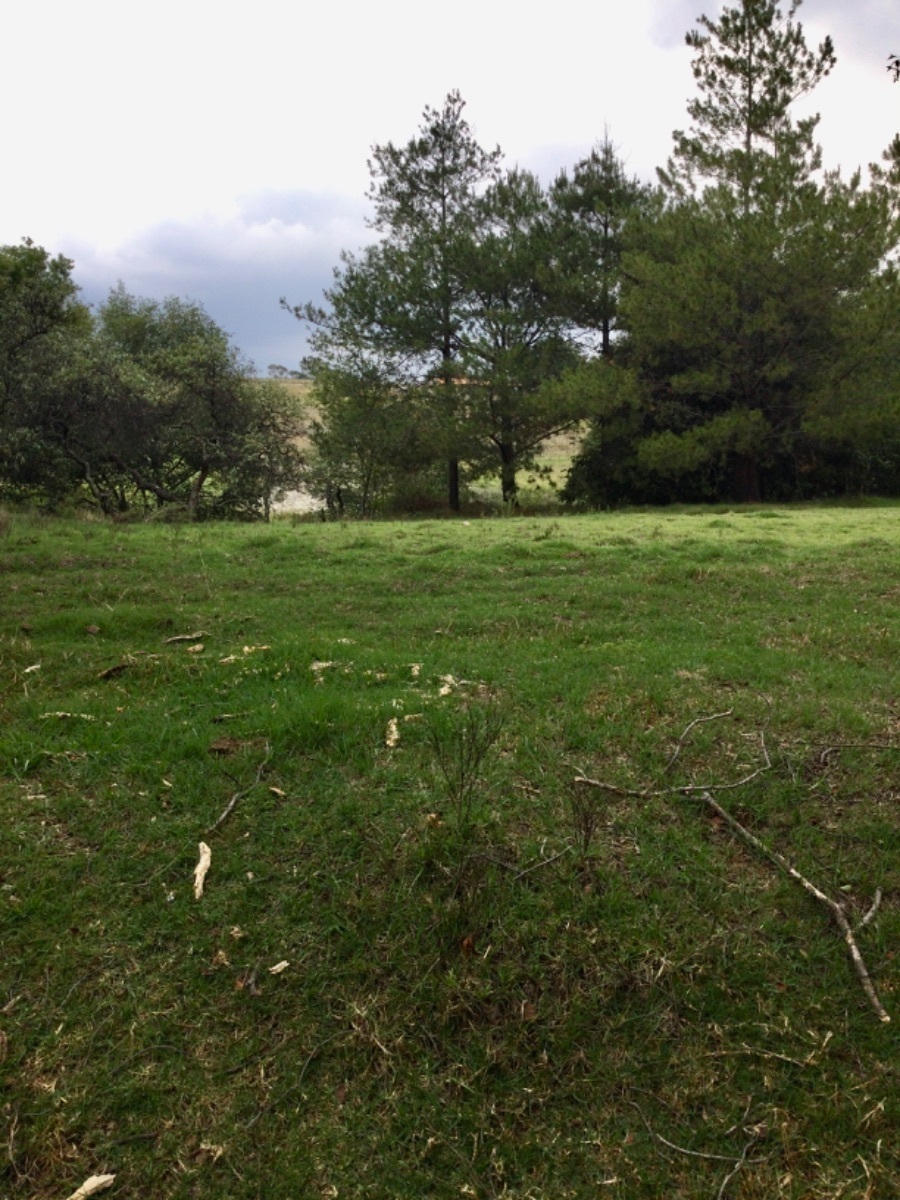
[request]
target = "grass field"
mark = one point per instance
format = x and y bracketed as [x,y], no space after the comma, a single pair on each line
[425,961]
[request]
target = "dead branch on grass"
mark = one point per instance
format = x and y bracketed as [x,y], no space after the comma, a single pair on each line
[876,904]
[232,803]
[697,721]
[683,789]
[832,905]
[704,793]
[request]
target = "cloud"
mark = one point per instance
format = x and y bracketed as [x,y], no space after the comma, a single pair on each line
[274,244]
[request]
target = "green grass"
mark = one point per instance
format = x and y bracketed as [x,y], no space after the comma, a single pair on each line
[485,999]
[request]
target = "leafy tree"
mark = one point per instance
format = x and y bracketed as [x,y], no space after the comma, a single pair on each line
[145,405]
[371,440]
[200,421]
[40,317]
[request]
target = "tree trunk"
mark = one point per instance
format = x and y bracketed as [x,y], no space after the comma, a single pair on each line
[507,463]
[745,479]
[196,488]
[453,484]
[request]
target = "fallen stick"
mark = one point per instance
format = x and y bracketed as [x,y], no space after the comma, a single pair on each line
[696,721]
[229,807]
[832,905]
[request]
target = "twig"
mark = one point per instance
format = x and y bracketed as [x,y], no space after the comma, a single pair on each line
[685,789]
[876,904]
[834,908]
[729,1158]
[543,863]
[697,721]
[229,807]
[737,1166]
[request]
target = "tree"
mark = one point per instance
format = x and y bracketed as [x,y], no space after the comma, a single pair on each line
[743,294]
[371,441]
[515,336]
[894,66]
[750,67]
[40,319]
[595,206]
[200,420]
[399,301]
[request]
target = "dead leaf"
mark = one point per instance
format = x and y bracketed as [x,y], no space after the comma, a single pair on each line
[236,932]
[197,649]
[92,629]
[276,791]
[528,1012]
[4,1046]
[201,869]
[33,667]
[467,945]
[186,637]
[279,967]
[220,959]
[392,734]
[96,1183]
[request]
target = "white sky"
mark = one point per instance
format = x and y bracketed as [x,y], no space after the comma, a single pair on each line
[219,152]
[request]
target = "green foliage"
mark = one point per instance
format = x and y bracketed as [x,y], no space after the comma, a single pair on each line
[459,308]
[370,440]
[759,301]
[595,207]
[40,318]
[148,405]
[750,66]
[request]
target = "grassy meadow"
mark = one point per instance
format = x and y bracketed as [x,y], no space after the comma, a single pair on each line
[426,962]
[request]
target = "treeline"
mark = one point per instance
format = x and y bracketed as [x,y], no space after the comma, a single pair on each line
[732,333]
[139,407]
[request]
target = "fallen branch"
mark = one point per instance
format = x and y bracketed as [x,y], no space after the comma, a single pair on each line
[832,905]
[728,1158]
[96,1183]
[704,792]
[186,637]
[687,788]
[876,904]
[230,806]
[697,721]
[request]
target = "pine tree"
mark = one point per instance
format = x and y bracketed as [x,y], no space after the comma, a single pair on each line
[740,294]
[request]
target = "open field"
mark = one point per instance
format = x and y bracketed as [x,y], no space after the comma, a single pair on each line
[426,962]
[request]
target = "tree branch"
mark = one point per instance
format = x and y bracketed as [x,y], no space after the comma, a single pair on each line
[832,905]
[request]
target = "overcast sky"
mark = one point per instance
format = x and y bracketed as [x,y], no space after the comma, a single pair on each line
[220,153]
